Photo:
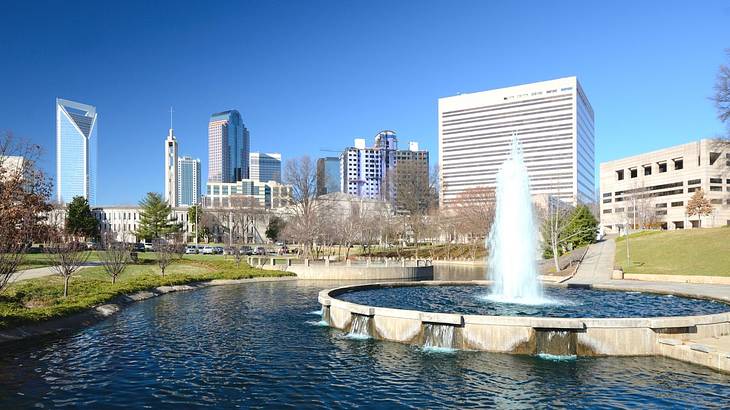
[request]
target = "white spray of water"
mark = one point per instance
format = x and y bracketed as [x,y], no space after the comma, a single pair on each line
[512,240]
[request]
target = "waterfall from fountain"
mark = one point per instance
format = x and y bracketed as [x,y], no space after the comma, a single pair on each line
[360,327]
[512,240]
[438,337]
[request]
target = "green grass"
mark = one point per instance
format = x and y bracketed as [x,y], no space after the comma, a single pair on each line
[36,300]
[40,260]
[680,252]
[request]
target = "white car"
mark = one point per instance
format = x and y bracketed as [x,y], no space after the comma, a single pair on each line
[191,250]
[207,250]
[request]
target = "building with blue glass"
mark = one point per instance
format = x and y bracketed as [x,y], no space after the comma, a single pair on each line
[188,181]
[76,151]
[265,167]
[228,147]
[328,175]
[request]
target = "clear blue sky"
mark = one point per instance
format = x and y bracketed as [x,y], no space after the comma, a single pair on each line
[308,75]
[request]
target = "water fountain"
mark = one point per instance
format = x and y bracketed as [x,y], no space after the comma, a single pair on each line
[512,240]
[438,337]
[360,327]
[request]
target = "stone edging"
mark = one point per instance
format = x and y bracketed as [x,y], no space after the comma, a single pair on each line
[101,312]
[698,279]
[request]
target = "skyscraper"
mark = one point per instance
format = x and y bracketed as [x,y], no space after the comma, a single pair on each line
[328,175]
[228,147]
[553,121]
[171,170]
[265,167]
[76,150]
[188,186]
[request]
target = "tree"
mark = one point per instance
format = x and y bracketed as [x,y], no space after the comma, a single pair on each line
[582,228]
[195,215]
[114,257]
[274,228]
[167,252]
[699,205]
[473,211]
[722,92]
[155,218]
[415,195]
[563,227]
[303,225]
[24,203]
[65,258]
[80,222]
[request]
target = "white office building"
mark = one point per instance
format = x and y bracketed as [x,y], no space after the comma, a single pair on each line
[266,195]
[553,121]
[651,190]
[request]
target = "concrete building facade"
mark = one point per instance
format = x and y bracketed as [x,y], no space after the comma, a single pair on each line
[76,150]
[652,189]
[370,172]
[188,182]
[265,167]
[267,195]
[554,122]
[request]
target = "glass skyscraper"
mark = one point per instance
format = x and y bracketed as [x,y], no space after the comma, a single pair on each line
[76,150]
[265,167]
[328,175]
[228,147]
[188,181]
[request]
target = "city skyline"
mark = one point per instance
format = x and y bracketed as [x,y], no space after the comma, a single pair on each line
[645,89]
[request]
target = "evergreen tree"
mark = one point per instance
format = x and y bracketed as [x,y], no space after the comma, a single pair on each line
[273,230]
[582,227]
[155,221]
[80,222]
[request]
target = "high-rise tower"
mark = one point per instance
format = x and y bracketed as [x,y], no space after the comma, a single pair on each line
[171,170]
[228,147]
[76,150]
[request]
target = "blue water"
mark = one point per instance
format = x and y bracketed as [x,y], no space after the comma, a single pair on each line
[250,346]
[565,302]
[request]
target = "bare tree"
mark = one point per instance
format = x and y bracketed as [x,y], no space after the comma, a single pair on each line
[65,258]
[722,92]
[114,257]
[304,225]
[167,252]
[415,194]
[473,211]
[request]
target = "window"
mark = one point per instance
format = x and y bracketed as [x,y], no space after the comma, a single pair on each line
[694,181]
[678,163]
[664,205]
[607,201]
[662,167]
[634,172]
[678,203]
[716,188]
[619,209]
[716,201]
[606,211]
[620,174]
[692,189]
[713,157]
[661,212]
[608,194]
[647,169]
[716,180]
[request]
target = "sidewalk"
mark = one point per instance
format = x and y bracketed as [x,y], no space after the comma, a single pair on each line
[597,264]
[42,272]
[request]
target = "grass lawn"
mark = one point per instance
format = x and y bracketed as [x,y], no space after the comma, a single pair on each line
[34,300]
[680,252]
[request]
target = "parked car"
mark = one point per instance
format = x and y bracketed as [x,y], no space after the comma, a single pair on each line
[148,247]
[138,247]
[283,250]
[207,250]
[191,250]
[280,243]
[218,250]
[246,250]
[260,250]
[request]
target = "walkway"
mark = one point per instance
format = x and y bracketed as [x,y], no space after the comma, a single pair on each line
[597,264]
[42,272]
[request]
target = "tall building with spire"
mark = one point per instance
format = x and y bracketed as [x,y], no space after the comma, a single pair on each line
[171,169]
[228,147]
[76,151]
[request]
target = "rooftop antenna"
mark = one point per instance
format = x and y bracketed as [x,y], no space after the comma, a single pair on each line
[171,111]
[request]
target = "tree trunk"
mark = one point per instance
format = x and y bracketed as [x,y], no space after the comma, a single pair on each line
[556,258]
[65,285]
[114,279]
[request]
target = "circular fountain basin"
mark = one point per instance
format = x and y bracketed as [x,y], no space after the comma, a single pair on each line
[579,322]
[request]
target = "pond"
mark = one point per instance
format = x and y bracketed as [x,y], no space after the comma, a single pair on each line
[259,345]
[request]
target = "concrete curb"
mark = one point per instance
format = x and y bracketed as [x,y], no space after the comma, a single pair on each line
[98,313]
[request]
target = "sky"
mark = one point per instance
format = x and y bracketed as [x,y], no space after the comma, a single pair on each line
[310,76]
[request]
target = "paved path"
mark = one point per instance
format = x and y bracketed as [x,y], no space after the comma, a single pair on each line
[42,272]
[597,264]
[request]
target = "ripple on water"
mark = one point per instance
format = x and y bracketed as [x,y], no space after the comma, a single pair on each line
[249,346]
